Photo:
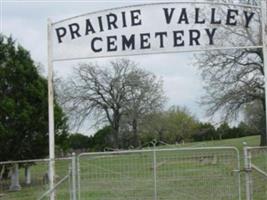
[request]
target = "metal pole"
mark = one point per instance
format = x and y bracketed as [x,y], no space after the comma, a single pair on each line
[264,52]
[247,165]
[239,175]
[73,173]
[155,169]
[78,177]
[70,182]
[51,111]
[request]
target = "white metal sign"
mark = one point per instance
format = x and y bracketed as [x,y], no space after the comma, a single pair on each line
[155,28]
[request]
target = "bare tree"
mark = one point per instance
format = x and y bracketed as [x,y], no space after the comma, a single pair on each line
[145,96]
[111,94]
[234,78]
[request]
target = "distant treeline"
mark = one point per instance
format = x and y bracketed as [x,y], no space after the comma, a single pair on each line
[174,126]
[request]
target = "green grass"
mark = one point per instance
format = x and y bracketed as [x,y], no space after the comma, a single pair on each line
[181,175]
[38,185]
[236,142]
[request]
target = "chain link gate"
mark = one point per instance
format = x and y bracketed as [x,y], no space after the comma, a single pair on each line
[29,179]
[160,174]
[255,161]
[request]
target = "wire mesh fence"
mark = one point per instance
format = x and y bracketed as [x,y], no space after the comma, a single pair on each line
[28,180]
[151,174]
[201,173]
[256,177]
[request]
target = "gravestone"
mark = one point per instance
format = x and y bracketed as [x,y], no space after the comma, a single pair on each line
[27,175]
[15,186]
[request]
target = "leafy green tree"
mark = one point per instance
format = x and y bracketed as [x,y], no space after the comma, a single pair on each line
[181,124]
[204,131]
[254,117]
[103,139]
[226,132]
[79,141]
[171,126]
[247,129]
[24,107]
[153,127]
[223,130]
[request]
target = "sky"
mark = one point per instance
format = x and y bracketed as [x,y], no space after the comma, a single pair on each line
[26,21]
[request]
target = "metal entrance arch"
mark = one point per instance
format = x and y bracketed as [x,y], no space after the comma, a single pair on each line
[52,50]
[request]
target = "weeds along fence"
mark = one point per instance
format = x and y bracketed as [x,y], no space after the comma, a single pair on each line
[255,161]
[160,174]
[29,179]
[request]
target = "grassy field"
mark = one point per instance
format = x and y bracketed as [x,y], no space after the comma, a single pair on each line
[195,174]
[237,142]
[39,183]
[181,175]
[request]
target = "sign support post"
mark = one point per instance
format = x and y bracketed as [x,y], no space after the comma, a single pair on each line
[264,52]
[51,111]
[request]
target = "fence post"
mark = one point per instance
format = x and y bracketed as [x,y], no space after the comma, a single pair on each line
[155,169]
[78,177]
[247,165]
[73,175]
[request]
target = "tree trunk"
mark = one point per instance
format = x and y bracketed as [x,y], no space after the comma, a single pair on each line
[2,170]
[264,134]
[115,138]
[220,136]
[160,134]
[263,139]
[27,175]
[116,128]
[136,141]
[15,186]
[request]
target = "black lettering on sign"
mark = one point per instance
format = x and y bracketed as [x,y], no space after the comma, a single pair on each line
[101,29]
[197,20]
[111,45]
[96,50]
[168,15]
[144,40]
[194,36]
[177,38]
[74,30]
[231,14]
[135,17]
[88,27]
[61,32]
[123,19]
[128,42]
[248,18]
[211,34]
[161,34]
[183,17]
[213,20]
[112,21]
